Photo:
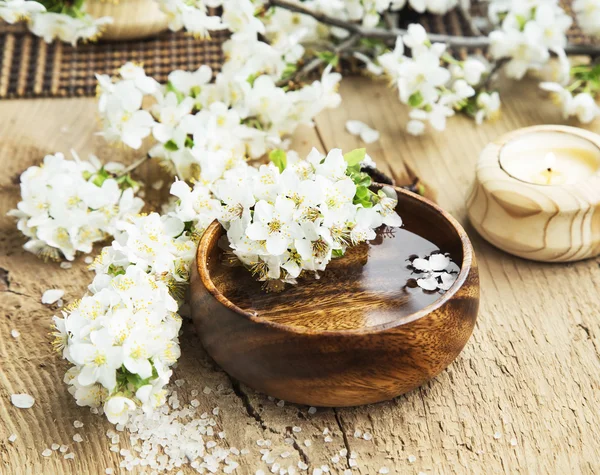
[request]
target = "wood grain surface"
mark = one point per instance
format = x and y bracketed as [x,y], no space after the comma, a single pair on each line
[530,373]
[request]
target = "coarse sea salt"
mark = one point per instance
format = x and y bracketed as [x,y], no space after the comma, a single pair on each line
[88,259]
[77,424]
[22,401]
[51,296]
[12,437]
[47,452]
[15,333]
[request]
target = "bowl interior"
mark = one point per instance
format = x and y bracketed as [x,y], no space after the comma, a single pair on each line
[370,287]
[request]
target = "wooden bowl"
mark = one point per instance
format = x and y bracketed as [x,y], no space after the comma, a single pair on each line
[336,341]
[132,19]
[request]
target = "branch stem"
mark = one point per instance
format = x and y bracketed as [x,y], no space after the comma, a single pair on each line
[133,166]
[469,42]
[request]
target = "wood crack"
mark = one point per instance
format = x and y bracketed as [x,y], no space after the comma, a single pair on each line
[340,425]
[252,412]
[5,284]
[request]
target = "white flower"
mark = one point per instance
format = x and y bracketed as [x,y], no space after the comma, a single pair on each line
[273,224]
[12,11]
[117,409]
[67,206]
[489,106]
[415,127]
[584,106]
[186,82]
[69,29]
[136,73]
[588,15]
[99,359]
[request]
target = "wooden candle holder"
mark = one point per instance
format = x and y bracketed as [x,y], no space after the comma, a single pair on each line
[543,223]
[132,19]
[333,358]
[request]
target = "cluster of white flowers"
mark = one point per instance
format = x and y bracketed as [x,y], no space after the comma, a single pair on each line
[121,339]
[202,126]
[588,15]
[294,217]
[68,205]
[582,105]
[70,26]
[431,82]
[529,31]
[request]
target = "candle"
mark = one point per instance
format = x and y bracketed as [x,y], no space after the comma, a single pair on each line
[537,193]
[550,158]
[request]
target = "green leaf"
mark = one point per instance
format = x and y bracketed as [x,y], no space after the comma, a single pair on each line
[361,179]
[252,78]
[336,253]
[115,270]
[355,156]
[279,158]
[174,90]
[189,142]
[195,91]
[171,146]
[328,57]
[100,177]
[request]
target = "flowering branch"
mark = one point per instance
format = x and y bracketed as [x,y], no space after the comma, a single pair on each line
[316,62]
[390,34]
[133,166]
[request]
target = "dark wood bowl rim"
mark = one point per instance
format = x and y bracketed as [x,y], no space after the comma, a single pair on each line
[467,261]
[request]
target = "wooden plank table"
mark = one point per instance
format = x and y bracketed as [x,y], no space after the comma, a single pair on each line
[523,397]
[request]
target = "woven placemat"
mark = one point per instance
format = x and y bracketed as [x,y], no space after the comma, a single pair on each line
[32,68]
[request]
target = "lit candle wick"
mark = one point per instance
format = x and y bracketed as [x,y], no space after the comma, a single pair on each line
[550,159]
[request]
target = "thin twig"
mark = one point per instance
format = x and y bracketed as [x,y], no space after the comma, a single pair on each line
[316,62]
[133,166]
[469,42]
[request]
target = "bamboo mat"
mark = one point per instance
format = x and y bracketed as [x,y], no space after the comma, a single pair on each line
[32,68]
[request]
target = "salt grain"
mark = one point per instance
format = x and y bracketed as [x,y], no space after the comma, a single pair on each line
[296,429]
[109,471]
[302,465]
[55,446]
[77,438]
[317,471]
[179,382]
[69,456]
[344,452]
[513,441]
[328,439]
[194,403]
[307,443]
[12,437]
[281,403]
[47,452]
[259,472]
[335,459]
[289,441]
[347,472]
[285,455]
[497,435]
[367,436]
[215,411]
[77,424]
[207,390]
[51,296]
[384,470]
[15,333]
[22,401]
[63,449]
[66,265]
[158,184]
[357,433]
[88,259]
[412,459]
[312,410]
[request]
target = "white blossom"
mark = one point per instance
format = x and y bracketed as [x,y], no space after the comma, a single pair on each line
[66,206]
